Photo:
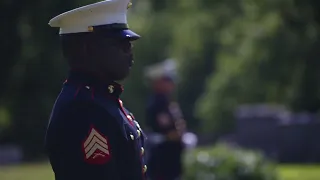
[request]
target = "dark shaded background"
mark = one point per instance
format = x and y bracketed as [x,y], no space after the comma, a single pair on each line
[229,53]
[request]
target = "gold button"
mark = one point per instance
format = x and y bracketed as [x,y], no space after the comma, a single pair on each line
[142,151]
[90,28]
[132,137]
[131,115]
[111,88]
[145,168]
[139,133]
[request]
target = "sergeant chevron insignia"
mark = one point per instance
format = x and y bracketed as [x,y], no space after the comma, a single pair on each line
[96,148]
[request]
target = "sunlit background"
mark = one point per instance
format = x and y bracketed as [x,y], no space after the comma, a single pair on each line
[248,83]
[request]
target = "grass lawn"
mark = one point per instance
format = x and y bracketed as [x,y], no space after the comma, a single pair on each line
[299,172]
[27,172]
[43,172]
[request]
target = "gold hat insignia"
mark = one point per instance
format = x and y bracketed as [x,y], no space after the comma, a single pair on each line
[129,5]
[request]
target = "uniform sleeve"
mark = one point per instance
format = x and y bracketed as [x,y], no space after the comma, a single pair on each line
[159,117]
[88,141]
[166,118]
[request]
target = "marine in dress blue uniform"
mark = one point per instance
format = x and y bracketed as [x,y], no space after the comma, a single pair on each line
[166,122]
[91,135]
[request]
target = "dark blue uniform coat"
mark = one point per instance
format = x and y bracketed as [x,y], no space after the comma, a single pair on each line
[91,136]
[164,159]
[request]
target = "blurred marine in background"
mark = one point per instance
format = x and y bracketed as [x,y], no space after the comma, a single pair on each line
[166,123]
[91,135]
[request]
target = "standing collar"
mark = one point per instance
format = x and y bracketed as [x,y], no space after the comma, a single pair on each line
[99,85]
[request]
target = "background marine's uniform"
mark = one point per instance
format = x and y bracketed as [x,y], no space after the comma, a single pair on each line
[166,123]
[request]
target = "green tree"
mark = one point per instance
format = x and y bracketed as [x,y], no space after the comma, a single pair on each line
[266,56]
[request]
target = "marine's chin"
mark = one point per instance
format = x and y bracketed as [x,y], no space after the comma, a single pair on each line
[123,75]
[131,64]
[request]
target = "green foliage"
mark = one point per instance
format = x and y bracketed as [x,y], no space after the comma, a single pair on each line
[228,52]
[5,121]
[223,162]
[265,56]
[33,70]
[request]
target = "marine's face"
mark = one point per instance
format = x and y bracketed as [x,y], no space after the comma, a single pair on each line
[114,56]
[164,85]
[169,85]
